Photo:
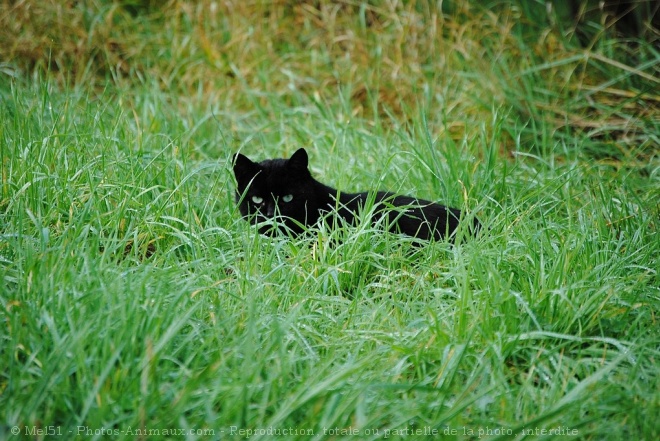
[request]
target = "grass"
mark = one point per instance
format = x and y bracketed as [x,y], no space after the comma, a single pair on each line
[134,298]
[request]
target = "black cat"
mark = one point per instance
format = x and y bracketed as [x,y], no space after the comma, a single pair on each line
[284,190]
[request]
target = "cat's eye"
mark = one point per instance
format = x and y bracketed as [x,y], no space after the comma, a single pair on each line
[257,199]
[287,198]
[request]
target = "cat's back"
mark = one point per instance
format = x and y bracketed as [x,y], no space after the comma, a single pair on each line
[419,217]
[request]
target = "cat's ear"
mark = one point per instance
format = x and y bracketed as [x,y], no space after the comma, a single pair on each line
[299,159]
[244,167]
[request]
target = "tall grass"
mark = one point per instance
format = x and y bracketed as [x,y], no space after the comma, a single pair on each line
[135,299]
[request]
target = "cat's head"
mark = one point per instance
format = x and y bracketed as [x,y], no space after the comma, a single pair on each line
[277,189]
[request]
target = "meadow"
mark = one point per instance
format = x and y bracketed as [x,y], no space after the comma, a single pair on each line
[137,304]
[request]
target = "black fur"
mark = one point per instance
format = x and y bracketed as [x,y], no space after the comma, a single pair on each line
[285,190]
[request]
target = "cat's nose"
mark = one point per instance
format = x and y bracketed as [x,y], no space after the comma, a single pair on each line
[270,210]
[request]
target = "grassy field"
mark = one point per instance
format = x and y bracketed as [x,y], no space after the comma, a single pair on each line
[136,302]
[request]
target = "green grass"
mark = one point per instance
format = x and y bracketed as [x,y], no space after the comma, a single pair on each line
[135,298]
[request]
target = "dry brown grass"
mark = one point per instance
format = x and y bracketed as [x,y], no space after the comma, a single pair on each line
[389,60]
